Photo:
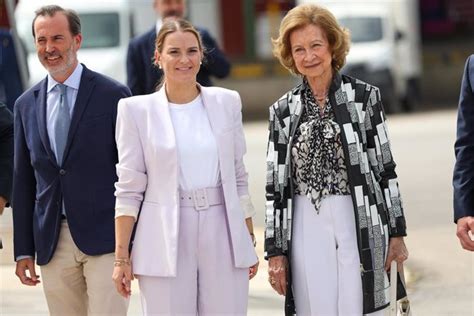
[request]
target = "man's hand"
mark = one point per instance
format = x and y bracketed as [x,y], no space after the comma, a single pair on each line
[22,266]
[3,202]
[466,225]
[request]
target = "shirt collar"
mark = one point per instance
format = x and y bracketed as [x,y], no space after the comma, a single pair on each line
[73,81]
[159,24]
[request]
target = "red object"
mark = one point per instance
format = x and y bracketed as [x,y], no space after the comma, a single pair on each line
[233,28]
[4,23]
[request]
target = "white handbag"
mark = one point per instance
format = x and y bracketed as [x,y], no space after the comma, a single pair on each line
[402,306]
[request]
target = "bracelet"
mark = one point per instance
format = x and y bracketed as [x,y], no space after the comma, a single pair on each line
[122,262]
[254,240]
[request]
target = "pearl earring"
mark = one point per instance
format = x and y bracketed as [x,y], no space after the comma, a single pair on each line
[159,65]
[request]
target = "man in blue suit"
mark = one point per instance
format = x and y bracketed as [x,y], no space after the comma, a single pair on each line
[463,179]
[64,174]
[143,77]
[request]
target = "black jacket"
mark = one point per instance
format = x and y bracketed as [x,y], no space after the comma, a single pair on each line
[371,171]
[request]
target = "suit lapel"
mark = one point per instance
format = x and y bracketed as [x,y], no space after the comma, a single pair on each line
[215,119]
[162,113]
[86,88]
[41,107]
[208,99]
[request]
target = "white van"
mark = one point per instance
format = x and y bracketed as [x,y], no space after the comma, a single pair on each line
[385,49]
[107,27]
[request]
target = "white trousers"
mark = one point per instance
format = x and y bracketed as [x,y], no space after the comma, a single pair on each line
[325,258]
[207,282]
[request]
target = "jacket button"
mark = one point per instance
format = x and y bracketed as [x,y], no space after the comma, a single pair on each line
[62,172]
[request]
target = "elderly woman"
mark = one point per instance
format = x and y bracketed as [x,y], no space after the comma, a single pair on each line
[334,218]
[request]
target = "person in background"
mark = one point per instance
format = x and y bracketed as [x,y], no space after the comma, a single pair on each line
[334,217]
[11,86]
[183,182]
[6,157]
[464,167]
[64,174]
[143,76]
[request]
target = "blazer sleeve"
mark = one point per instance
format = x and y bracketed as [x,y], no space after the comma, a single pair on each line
[131,168]
[463,175]
[215,60]
[378,143]
[273,206]
[241,174]
[135,70]
[6,152]
[24,191]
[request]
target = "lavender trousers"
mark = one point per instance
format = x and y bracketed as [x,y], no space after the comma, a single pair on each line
[207,282]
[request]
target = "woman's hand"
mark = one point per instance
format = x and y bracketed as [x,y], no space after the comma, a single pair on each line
[277,269]
[396,251]
[122,277]
[253,270]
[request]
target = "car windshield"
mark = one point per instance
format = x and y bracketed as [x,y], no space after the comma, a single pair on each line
[99,30]
[363,29]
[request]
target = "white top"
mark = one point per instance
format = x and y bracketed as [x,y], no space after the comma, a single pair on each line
[196,146]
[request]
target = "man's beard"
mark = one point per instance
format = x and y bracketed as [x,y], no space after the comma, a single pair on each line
[68,61]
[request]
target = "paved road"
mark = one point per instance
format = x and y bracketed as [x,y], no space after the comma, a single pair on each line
[442,275]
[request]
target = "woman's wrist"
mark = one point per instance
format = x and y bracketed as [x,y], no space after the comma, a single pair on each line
[254,240]
[120,262]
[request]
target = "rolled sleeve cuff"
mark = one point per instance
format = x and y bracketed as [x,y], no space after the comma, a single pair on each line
[247,206]
[125,209]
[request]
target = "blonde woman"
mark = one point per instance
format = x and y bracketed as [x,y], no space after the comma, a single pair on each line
[181,175]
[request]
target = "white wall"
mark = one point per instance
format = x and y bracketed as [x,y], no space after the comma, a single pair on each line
[206,14]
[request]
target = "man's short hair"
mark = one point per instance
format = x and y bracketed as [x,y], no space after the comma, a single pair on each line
[51,10]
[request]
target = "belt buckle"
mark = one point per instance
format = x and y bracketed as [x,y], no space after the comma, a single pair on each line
[200,199]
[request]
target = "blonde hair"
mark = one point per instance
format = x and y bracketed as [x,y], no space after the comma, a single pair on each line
[307,14]
[169,27]
[172,26]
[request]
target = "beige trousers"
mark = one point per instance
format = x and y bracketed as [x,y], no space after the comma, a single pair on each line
[77,284]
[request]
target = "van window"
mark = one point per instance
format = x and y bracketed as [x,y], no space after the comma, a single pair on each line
[363,29]
[99,30]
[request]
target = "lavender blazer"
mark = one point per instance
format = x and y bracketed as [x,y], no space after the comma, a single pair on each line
[148,176]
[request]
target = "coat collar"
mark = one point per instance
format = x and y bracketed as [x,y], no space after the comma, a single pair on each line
[85,90]
[289,108]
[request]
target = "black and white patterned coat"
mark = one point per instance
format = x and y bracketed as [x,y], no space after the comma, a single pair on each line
[372,179]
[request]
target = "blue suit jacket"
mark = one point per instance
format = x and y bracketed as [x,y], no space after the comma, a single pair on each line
[463,178]
[10,80]
[6,152]
[143,77]
[85,180]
